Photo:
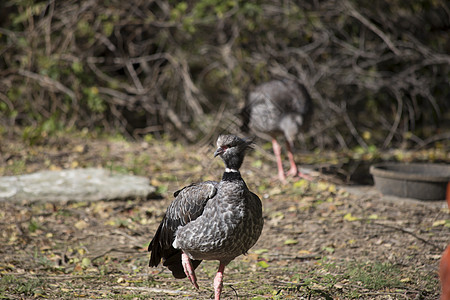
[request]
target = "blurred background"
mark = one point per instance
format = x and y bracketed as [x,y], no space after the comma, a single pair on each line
[378,71]
[144,87]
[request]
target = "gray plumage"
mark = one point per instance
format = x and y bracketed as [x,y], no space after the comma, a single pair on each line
[278,107]
[210,220]
[188,205]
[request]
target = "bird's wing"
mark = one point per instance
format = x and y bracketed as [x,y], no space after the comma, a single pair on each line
[292,96]
[188,205]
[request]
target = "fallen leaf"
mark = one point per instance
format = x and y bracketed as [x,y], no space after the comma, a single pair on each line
[261,251]
[339,286]
[316,286]
[257,164]
[366,135]
[292,208]
[438,223]
[120,280]
[322,186]
[251,257]
[373,217]
[290,242]
[328,249]
[79,148]
[80,225]
[78,268]
[85,262]
[302,183]
[263,264]
[54,168]
[433,256]
[275,191]
[350,218]
[332,188]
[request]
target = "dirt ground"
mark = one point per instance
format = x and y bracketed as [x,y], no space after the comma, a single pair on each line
[320,240]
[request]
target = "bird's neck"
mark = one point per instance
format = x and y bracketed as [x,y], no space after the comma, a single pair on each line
[231,174]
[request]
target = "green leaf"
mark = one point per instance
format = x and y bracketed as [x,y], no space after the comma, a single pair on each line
[301,183]
[350,218]
[263,264]
[77,67]
[85,262]
[162,189]
[328,249]
[257,163]
[261,251]
[290,242]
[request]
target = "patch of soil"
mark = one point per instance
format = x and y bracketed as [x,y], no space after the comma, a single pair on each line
[319,240]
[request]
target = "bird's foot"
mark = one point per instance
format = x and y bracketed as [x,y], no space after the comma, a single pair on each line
[304,176]
[294,172]
[188,269]
[282,177]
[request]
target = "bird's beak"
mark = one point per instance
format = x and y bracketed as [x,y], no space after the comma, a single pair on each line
[218,152]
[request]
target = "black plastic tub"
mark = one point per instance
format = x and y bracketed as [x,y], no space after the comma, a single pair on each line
[416,180]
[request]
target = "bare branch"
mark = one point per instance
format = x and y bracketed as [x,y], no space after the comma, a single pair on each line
[49,82]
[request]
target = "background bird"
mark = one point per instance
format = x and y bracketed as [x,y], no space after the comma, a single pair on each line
[210,220]
[278,107]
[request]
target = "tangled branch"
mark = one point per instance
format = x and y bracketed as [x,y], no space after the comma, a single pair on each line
[154,67]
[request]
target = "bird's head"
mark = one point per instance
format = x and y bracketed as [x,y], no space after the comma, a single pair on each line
[232,150]
[290,124]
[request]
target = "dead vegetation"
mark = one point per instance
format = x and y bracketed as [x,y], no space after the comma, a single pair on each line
[319,241]
[377,71]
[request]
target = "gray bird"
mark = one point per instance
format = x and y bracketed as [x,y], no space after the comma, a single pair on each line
[210,220]
[278,107]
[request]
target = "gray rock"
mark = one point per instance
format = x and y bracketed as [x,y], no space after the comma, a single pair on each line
[73,185]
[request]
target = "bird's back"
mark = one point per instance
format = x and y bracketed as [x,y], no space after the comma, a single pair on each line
[230,225]
[270,102]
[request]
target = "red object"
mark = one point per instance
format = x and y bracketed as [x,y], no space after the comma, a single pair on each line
[444,266]
[444,274]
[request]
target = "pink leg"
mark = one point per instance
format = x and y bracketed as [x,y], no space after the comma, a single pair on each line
[188,269]
[218,282]
[277,152]
[294,171]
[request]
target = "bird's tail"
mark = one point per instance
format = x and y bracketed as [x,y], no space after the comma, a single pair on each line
[156,248]
[170,256]
[173,263]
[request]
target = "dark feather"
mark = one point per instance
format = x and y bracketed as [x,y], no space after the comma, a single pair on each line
[210,220]
[188,205]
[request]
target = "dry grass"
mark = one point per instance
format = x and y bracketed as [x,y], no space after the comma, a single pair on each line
[319,241]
